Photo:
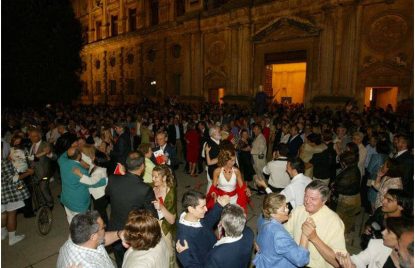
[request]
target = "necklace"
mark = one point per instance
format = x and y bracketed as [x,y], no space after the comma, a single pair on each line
[227,171]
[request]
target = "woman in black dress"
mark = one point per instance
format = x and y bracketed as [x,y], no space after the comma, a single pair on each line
[244,156]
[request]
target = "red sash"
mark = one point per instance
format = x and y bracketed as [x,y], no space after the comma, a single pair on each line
[240,191]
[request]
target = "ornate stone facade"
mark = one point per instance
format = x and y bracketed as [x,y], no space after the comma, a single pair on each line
[188,47]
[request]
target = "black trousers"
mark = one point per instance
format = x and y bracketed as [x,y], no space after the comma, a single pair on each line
[46,193]
[28,208]
[100,205]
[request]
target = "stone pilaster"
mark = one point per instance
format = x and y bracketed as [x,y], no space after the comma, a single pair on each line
[327,54]
[348,50]
[234,60]
[122,25]
[105,79]
[245,61]
[105,23]
[122,88]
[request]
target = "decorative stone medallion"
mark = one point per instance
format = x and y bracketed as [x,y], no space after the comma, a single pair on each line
[216,52]
[386,32]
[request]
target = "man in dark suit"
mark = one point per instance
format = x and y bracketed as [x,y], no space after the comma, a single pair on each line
[405,161]
[204,133]
[122,145]
[128,192]
[232,250]
[40,159]
[171,132]
[294,142]
[170,156]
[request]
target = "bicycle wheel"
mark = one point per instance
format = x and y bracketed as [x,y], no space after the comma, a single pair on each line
[44,220]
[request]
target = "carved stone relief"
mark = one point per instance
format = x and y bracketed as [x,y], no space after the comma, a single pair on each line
[216,52]
[386,32]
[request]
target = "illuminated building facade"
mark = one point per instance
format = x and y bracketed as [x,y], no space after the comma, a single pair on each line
[310,51]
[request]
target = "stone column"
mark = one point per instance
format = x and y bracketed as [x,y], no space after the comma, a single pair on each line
[234,59]
[104,32]
[196,64]
[187,71]
[91,33]
[327,51]
[122,76]
[245,60]
[122,18]
[337,90]
[348,50]
[105,78]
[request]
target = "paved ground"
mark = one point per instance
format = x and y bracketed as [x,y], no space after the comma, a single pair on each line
[42,252]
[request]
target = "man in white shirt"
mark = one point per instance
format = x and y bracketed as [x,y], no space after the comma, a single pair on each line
[294,192]
[277,169]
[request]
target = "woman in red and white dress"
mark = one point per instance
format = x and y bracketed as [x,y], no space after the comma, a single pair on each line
[227,180]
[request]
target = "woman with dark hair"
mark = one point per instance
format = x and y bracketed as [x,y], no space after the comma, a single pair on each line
[244,156]
[380,252]
[142,234]
[227,180]
[98,171]
[276,247]
[388,177]
[347,186]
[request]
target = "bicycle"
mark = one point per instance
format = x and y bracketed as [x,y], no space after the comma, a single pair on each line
[44,217]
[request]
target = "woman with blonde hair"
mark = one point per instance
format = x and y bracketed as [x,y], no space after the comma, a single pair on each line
[275,246]
[227,180]
[165,204]
[147,248]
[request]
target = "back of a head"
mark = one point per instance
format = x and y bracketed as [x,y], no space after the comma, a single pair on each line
[233,220]
[399,225]
[348,158]
[191,199]
[142,230]
[73,153]
[314,138]
[327,135]
[144,148]
[101,159]
[283,149]
[297,164]
[134,161]
[83,225]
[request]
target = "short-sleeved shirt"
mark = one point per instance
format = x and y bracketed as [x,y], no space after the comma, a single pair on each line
[71,254]
[329,228]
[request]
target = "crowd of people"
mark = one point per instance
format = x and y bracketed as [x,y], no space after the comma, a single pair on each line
[316,168]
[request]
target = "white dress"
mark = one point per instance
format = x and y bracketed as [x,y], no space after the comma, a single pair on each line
[228,186]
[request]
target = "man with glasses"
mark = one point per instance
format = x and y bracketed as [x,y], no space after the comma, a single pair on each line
[86,245]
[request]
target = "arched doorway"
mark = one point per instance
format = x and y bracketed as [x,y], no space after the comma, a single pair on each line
[215,85]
